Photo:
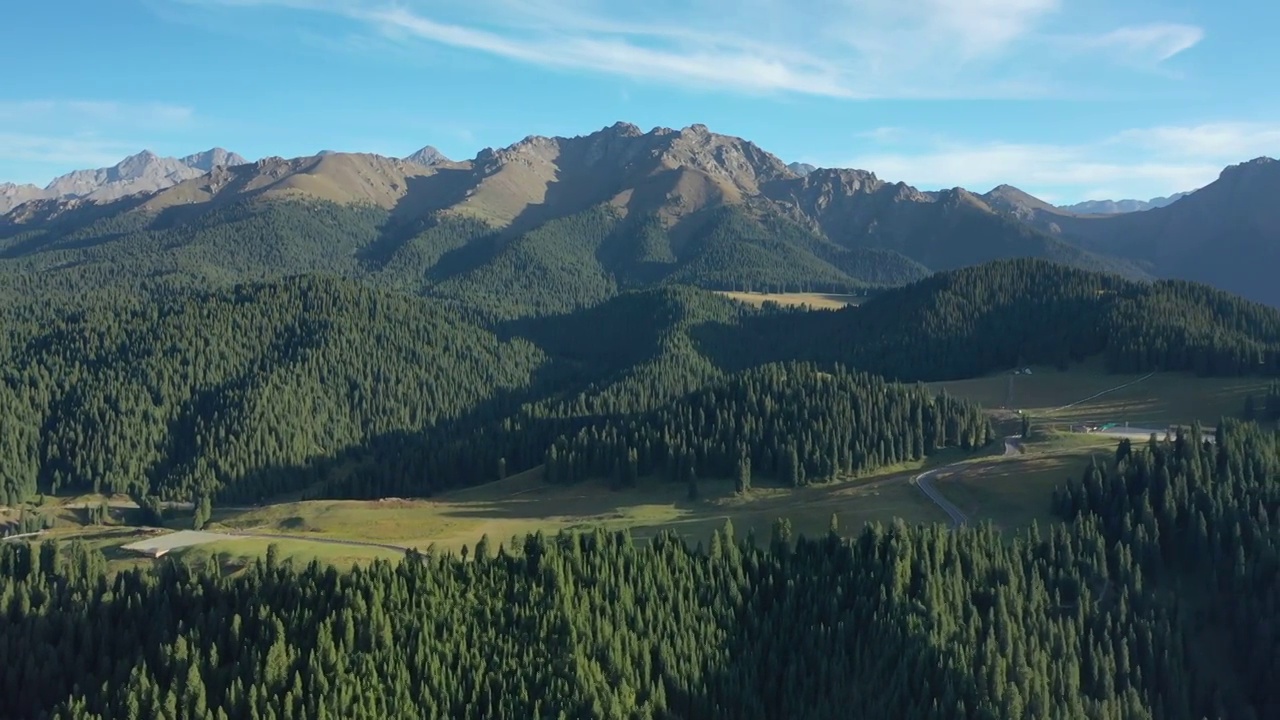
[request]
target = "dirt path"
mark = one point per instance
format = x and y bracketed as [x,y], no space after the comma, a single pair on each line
[1104,392]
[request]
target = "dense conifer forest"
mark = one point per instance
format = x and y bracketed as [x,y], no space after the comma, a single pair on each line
[1002,314]
[331,351]
[326,385]
[1154,602]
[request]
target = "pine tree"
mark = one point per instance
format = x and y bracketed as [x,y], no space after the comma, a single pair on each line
[743,485]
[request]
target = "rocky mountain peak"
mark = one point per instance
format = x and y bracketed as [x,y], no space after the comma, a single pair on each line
[427,156]
[212,158]
[1257,167]
[1021,204]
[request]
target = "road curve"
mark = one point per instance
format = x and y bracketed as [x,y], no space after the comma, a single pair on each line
[924,481]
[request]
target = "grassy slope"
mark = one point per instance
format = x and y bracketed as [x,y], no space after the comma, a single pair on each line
[1162,399]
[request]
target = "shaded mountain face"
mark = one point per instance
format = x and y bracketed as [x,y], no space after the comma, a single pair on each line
[144,172]
[1226,234]
[684,205]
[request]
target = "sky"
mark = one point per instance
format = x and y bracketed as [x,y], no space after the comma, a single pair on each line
[1067,99]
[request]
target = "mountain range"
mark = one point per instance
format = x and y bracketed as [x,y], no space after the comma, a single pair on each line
[142,173]
[1115,207]
[615,209]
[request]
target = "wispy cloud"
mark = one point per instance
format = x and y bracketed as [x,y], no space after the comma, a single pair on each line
[149,114]
[1136,163]
[1153,43]
[74,151]
[41,138]
[831,48]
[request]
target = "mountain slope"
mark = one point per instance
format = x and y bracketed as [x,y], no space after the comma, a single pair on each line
[674,196]
[1226,234]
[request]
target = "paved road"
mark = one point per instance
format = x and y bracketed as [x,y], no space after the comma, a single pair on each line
[924,481]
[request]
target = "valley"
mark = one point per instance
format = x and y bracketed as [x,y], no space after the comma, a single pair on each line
[631,424]
[1009,486]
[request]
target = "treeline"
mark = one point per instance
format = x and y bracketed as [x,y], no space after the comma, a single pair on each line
[1003,314]
[1160,600]
[795,422]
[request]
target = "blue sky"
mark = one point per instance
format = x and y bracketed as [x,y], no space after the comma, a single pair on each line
[1068,99]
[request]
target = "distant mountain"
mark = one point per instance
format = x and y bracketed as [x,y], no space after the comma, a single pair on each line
[1226,234]
[144,172]
[1115,207]
[1022,205]
[212,158]
[561,222]
[801,169]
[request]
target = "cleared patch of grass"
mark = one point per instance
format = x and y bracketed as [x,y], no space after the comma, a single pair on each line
[1157,401]
[524,504]
[821,301]
[231,556]
[1013,491]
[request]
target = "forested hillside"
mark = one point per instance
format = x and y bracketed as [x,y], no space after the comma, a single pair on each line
[564,264]
[236,392]
[793,422]
[1002,314]
[326,386]
[329,387]
[1078,621]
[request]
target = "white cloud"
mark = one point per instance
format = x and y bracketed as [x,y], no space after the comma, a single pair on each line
[1146,43]
[1240,140]
[830,48]
[75,151]
[42,138]
[1137,163]
[147,114]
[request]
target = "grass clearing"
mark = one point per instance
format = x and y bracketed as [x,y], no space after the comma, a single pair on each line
[1013,491]
[231,556]
[524,504]
[818,301]
[1158,401]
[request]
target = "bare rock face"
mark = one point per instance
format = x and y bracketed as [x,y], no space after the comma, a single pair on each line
[213,158]
[427,157]
[13,195]
[144,172]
